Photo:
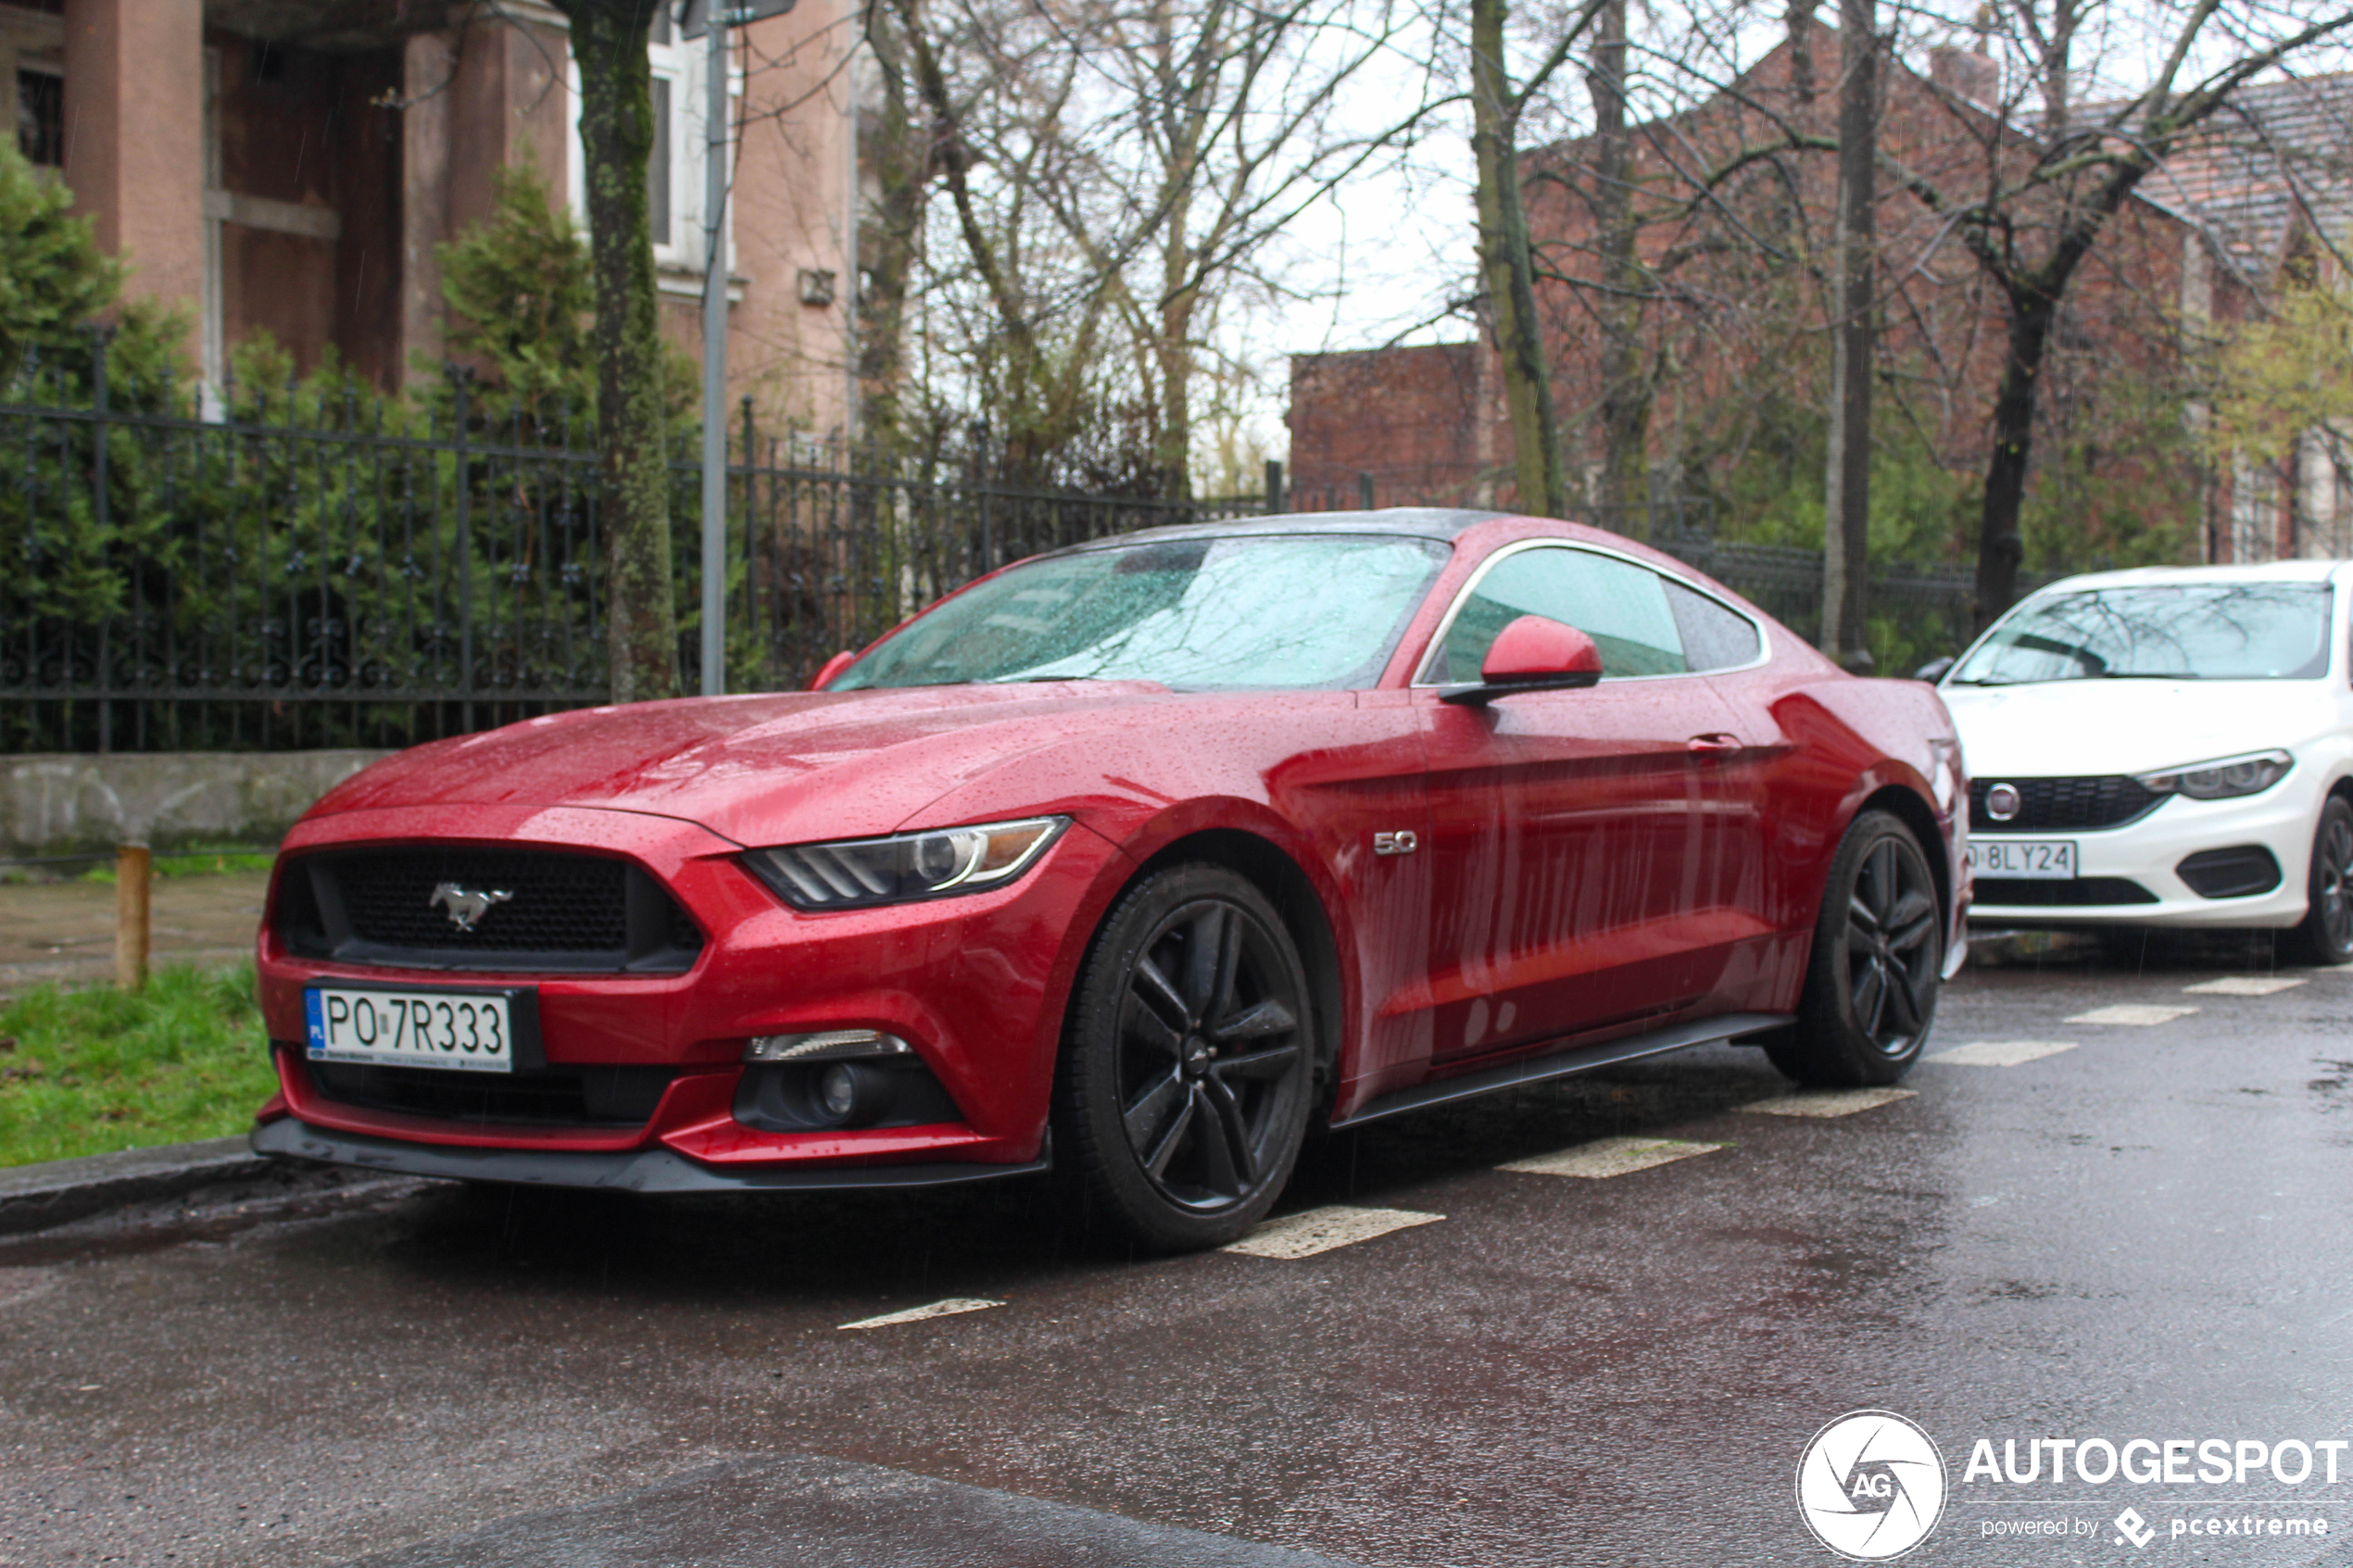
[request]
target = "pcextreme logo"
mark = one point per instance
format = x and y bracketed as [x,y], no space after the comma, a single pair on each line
[1870,1486]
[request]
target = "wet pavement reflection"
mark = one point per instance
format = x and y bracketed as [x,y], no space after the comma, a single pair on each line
[2140,1235]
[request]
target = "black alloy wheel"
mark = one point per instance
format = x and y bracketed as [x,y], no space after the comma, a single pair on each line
[1185,1077]
[2325,935]
[1879,949]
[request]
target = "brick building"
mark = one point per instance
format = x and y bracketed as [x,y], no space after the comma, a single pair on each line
[1731,333]
[291,165]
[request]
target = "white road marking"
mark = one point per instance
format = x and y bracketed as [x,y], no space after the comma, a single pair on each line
[2244,985]
[2002,1053]
[1828,1102]
[948,1308]
[1320,1230]
[1610,1156]
[2135,1013]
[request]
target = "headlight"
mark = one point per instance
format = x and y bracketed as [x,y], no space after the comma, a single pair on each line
[855,873]
[2222,779]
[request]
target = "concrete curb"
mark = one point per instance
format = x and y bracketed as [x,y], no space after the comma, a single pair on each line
[58,1192]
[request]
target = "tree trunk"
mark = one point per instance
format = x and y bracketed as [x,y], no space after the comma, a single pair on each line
[900,154]
[1625,404]
[617,136]
[1999,549]
[1801,54]
[1174,442]
[1846,509]
[1508,269]
[2056,63]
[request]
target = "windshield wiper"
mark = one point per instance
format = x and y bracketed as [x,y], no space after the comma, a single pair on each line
[2148,675]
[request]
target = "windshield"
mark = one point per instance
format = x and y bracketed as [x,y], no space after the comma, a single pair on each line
[2195,631]
[1265,611]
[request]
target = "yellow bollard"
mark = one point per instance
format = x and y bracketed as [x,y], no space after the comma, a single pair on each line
[131,868]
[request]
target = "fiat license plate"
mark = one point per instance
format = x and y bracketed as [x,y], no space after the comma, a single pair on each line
[471,1031]
[2029,860]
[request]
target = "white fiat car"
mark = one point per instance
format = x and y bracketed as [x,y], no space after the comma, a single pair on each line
[2168,746]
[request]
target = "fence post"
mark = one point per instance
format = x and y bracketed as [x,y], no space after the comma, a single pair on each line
[461,380]
[131,868]
[1275,486]
[1365,489]
[102,510]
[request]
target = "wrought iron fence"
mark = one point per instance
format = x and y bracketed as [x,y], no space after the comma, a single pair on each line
[1914,612]
[303,571]
[306,570]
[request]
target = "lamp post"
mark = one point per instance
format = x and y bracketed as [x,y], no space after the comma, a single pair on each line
[702,21]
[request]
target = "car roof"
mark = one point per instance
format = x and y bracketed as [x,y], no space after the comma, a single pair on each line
[1445,524]
[2176,576]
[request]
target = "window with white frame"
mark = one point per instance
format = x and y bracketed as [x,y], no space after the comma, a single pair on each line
[675,168]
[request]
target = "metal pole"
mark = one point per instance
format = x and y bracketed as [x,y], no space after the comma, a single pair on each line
[714,362]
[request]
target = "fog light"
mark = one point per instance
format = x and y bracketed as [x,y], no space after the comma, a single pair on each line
[827,1046]
[836,1091]
[852,1094]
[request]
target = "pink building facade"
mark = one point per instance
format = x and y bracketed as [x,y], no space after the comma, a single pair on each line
[292,166]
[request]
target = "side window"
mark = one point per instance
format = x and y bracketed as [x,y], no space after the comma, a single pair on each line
[1714,637]
[1622,607]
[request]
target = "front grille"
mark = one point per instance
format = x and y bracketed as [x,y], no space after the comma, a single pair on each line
[560,903]
[2047,804]
[2014,892]
[562,912]
[594,1097]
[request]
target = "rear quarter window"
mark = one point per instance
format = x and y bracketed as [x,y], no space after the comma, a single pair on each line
[1715,637]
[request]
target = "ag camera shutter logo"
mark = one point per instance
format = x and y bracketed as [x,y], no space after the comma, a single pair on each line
[1870,1486]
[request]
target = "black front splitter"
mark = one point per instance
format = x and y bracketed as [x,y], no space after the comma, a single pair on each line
[635,1170]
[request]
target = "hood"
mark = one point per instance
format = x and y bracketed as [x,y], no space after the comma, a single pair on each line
[2061,728]
[773,768]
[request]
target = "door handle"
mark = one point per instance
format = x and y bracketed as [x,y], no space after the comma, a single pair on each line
[1715,744]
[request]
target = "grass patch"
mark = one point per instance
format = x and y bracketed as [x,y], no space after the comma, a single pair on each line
[90,1071]
[187,862]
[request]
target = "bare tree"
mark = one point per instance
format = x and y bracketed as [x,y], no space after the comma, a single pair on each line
[2047,199]
[1846,508]
[1506,261]
[1233,119]
[1626,393]
[1122,174]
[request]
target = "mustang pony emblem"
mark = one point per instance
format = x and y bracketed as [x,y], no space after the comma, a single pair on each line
[466,906]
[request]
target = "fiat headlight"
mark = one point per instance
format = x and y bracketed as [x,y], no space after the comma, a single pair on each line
[2222,779]
[859,872]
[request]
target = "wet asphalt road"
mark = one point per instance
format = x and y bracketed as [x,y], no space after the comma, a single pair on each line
[2144,1235]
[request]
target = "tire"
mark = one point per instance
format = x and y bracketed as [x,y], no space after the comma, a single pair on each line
[1182,1094]
[2325,934]
[1879,948]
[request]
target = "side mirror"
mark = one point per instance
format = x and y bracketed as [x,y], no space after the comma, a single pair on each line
[830,669]
[1533,655]
[1933,670]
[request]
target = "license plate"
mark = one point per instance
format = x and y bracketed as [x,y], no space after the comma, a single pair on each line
[468,1031]
[2029,860]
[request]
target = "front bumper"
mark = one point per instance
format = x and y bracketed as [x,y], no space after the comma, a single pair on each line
[976,985]
[640,1169]
[2148,851]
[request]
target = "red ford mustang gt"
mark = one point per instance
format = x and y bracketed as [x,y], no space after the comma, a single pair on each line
[1134,859]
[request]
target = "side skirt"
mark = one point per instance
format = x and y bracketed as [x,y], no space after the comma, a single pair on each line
[1536,1070]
